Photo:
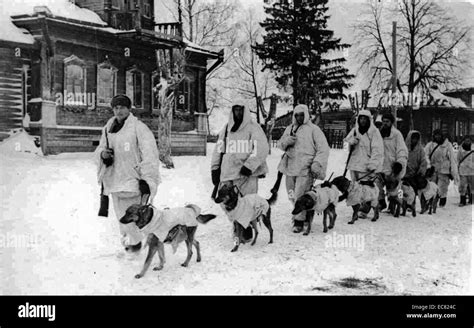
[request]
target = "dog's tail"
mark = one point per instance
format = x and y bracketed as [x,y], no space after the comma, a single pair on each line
[205,218]
[273,198]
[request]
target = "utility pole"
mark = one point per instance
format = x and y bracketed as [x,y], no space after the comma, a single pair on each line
[394,70]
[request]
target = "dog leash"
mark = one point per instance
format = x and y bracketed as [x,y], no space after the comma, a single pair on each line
[328,181]
[365,176]
[238,191]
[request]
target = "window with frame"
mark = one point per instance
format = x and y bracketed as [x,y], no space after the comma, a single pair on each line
[74,80]
[183,97]
[186,100]
[147,8]
[134,87]
[460,128]
[436,124]
[106,83]
[116,4]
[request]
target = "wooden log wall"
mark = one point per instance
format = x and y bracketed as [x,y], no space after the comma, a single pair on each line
[66,139]
[12,95]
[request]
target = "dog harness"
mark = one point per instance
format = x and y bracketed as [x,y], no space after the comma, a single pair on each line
[359,194]
[165,220]
[323,197]
[248,208]
[430,191]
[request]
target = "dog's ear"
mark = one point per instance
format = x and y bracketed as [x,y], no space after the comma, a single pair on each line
[144,212]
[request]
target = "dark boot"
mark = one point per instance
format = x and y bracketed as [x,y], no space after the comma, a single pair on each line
[470,199]
[442,202]
[462,202]
[297,226]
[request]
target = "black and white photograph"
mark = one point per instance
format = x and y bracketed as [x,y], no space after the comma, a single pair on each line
[237,147]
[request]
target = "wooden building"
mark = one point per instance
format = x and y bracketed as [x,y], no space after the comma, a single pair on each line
[16,51]
[335,125]
[76,66]
[450,111]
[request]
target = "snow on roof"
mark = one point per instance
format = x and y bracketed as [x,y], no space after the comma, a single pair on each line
[9,32]
[197,48]
[466,89]
[437,98]
[58,8]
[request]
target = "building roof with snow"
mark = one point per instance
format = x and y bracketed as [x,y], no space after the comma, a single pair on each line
[57,8]
[66,10]
[191,46]
[438,99]
[9,32]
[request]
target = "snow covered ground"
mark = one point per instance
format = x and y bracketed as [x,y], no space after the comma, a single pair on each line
[52,241]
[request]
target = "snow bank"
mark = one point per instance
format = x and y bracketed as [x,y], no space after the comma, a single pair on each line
[53,201]
[20,142]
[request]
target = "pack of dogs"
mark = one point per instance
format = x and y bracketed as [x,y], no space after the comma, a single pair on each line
[177,225]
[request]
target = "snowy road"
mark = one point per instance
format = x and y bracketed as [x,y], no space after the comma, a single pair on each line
[53,242]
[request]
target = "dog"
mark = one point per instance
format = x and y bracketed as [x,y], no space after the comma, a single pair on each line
[358,195]
[394,194]
[392,182]
[245,211]
[319,199]
[409,198]
[166,226]
[428,192]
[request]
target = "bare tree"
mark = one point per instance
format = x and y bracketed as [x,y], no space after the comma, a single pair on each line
[171,75]
[206,23]
[210,24]
[249,80]
[432,45]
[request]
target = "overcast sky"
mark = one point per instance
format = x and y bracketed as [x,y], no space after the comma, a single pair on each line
[162,14]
